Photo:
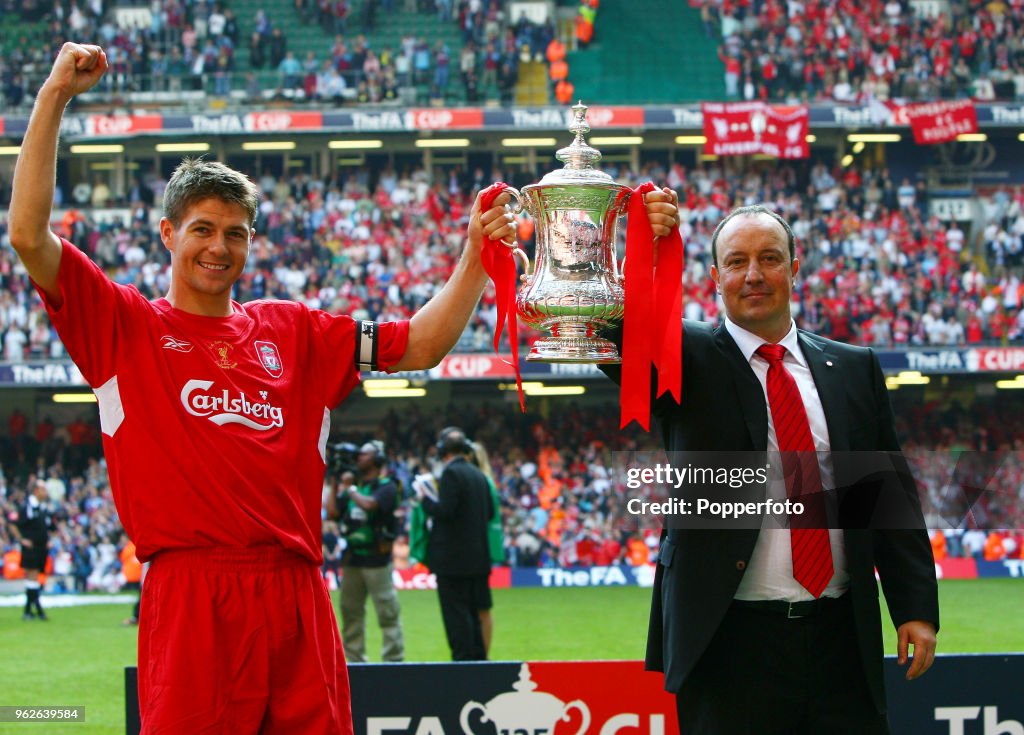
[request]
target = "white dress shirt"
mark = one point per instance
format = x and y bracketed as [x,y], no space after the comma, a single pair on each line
[769,574]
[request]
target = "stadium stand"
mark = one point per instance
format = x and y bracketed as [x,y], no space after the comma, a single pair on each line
[849,51]
[472,52]
[876,270]
[216,54]
[562,503]
[376,241]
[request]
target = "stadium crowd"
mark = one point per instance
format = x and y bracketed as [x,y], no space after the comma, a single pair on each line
[850,51]
[876,269]
[176,45]
[797,50]
[563,498]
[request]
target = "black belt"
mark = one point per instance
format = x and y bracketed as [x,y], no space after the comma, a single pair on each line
[791,610]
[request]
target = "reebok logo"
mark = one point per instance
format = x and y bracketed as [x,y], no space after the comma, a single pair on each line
[173,343]
[226,407]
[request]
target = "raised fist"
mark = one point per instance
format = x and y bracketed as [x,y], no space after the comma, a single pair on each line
[77,69]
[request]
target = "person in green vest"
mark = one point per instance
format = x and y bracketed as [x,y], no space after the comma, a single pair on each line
[365,510]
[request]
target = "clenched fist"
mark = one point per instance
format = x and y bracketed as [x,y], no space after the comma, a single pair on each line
[77,69]
[662,210]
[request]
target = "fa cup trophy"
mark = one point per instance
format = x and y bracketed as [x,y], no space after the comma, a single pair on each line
[575,290]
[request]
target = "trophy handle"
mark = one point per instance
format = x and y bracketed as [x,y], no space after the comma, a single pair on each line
[514,193]
[464,716]
[619,269]
[517,208]
[519,252]
[584,710]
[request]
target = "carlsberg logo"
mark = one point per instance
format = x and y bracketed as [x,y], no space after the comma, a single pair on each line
[229,408]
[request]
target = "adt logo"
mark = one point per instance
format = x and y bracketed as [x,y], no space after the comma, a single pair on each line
[957,717]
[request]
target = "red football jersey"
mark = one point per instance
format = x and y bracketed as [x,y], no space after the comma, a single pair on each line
[214,429]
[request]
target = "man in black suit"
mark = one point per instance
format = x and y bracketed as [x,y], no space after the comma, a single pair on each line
[748,644]
[457,549]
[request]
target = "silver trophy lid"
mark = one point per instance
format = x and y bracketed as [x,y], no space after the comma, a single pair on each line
[579,158]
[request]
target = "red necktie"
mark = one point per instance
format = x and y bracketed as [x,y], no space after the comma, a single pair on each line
[812,554]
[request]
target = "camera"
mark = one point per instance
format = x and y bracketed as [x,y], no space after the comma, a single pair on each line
[341,458]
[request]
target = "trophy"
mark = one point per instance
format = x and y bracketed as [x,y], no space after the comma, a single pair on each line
[525,710]
[575,290]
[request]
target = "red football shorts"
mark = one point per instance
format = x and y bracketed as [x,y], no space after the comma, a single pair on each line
[240,641]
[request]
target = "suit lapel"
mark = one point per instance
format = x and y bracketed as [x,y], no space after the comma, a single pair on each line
[827,372]
[748,390]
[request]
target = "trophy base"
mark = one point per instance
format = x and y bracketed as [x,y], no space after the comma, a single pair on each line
[595,350]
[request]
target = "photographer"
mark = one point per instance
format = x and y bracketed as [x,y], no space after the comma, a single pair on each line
[365,511]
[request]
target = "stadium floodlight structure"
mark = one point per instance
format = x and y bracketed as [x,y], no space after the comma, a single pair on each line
[1015,384]
[529,142]
[187,147]
[874,138]
[97,148]
[74,398]
[354,145]
[269,145]
[442,143]
[617,140]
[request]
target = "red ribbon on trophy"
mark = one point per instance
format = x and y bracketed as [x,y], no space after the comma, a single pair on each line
[653,329]
[499,262]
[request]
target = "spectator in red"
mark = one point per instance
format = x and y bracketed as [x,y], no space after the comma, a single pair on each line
[555,51]
[975,333]
[17,424]
[564,92]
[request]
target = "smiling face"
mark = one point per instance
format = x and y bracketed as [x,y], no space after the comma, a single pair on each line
[208,252]
[755,275]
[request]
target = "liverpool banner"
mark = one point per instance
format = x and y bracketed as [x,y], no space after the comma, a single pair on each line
[939,122]
[744,128]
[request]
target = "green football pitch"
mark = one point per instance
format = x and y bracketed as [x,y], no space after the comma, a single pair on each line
[78,657]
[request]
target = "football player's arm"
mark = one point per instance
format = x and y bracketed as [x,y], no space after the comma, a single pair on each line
[331,501]
[437,326]
[76,69]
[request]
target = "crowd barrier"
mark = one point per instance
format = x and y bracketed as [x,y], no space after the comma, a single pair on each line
[487,366]
[960,695]
[643,576]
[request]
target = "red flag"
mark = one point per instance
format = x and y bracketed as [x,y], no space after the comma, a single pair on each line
[500,265]
[744,128]
[940,122]
[653,328]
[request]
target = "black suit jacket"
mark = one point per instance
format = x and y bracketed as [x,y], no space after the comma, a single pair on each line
[723,408]
[458,540]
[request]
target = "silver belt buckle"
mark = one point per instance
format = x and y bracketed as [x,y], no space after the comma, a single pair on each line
[790,615]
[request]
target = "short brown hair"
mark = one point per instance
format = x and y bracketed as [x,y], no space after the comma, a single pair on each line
[195,179]
[753,210]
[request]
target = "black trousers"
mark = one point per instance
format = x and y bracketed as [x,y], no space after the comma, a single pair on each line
[764,674]
[462,599]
